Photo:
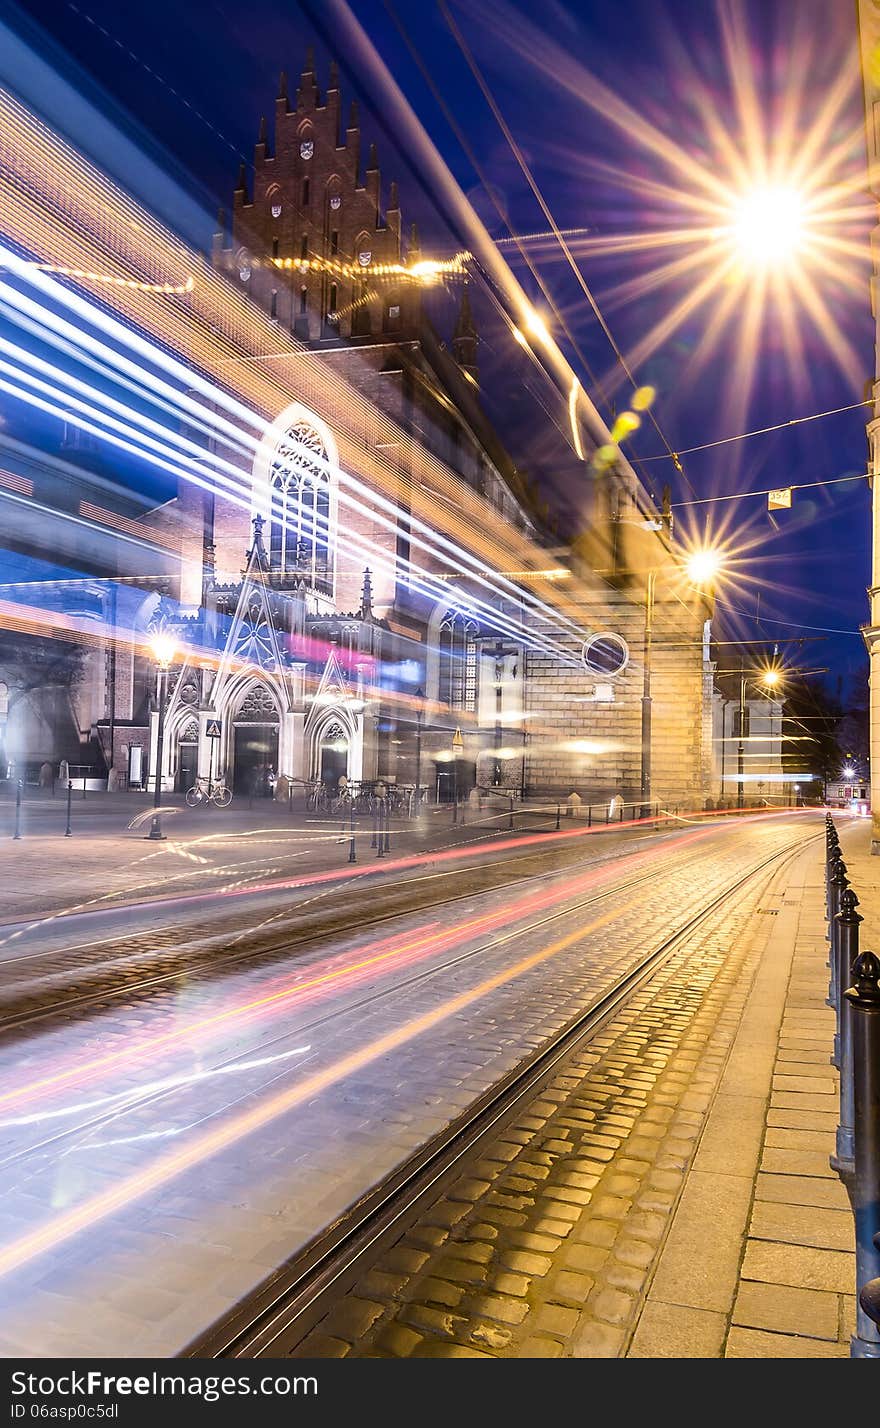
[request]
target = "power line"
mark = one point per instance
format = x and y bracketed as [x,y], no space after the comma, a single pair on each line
[761,431]
[799,486]
[569,256]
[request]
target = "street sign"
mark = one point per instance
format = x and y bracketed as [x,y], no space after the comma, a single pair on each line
[779,500]
[213,729]
[457,740]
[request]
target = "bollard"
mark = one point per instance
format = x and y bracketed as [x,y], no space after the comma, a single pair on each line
[620,820]
[387,827]
[510,821]
[84,785]
[839,882]
[17,834]
[847,953]
[608,813]
[454,810]
[833,854]
[375,811]
[864,999]
[380,840]
[67,831]
[558,816]
[589,815]
[352,851]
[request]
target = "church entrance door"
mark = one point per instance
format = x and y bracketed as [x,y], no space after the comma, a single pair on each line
[255,756]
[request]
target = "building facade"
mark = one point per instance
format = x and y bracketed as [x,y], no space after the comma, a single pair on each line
[328,587]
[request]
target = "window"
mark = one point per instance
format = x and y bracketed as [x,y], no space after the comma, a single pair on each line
[305,193]
[304,248]
[303,300]
[606,654]
[274,247]
[334,241]
[299,539]
[457,684]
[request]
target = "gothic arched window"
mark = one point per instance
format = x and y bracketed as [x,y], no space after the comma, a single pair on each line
[299,477]
[457,683]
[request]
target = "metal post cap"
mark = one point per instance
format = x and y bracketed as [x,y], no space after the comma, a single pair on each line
[848,904]
[869,1298]
[839,875]
[865,991]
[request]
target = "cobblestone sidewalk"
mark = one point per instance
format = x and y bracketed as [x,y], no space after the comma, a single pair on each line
[669,1193]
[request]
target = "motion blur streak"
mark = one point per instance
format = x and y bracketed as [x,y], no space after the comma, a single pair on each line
[169,1166]
[219,331]
[422,940]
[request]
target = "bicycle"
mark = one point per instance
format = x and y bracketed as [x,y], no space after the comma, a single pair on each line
[204,791]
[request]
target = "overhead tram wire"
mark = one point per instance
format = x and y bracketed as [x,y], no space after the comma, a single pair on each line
[514,238]
[761,431]
[789,486]
[569,256]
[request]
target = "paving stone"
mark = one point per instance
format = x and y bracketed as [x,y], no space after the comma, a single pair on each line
[490,1336]
[351,1318]
[673,1331]
[612,1306]
[799,1266]
[598,1341]
[438,1291]
[570,1286]
[397,1339]
[556,1319]
[507,1283]
[584,1257]
[537,1348]
[796,1162]
[803,1225]
[637,1253]
[611,1207]
[540,1243]
[431,1350]
[468,1189]
[784,1309]
[498,1306]
[598,1232]
[754,1344]
[525,1262]
[321,1346]
[407,1261]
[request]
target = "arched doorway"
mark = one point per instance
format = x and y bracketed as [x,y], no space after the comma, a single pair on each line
[255,743]
[332,756]
[187,757]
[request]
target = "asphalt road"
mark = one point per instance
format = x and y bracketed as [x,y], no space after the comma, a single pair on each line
[186,1103]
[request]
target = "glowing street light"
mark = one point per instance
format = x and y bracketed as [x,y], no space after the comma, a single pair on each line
[771,677]
[768,226]
[703,565]
[164,648]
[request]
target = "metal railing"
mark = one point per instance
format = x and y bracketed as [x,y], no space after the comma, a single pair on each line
[854,994]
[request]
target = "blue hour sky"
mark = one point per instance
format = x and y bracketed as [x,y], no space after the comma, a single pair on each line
[190,82]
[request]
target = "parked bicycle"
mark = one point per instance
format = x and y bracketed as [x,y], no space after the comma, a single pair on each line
[205,791]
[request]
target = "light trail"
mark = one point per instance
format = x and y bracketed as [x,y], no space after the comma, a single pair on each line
[168,1167]
[233,479]
[223,332]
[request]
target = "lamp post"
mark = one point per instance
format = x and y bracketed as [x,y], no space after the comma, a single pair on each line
[701,568]
[163,648]
[420,694]
[647,702]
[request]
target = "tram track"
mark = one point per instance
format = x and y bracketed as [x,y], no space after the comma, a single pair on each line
[215,952]
[139,1102]
[293,1300]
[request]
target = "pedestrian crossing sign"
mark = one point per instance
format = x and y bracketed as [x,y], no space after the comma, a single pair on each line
[213,729]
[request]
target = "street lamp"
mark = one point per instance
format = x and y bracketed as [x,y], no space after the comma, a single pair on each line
[770,678]
[701,567]
[420,714]
[164,649]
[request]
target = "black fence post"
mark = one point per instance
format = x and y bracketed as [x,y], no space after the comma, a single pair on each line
[558,817]
[589,815]
[352,851]
[847,952]
[864,998]
[17,834]
[510,820]
[67,831]
[839,882]
[387,826]
[620,820]
[375,812]
[84,785]
[380,842]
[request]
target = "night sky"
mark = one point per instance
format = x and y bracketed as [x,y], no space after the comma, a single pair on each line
[190,81]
